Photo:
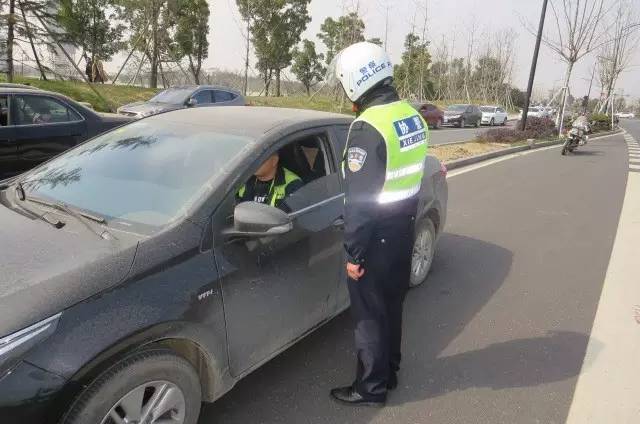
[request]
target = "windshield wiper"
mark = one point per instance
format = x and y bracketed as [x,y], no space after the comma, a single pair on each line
[80,215]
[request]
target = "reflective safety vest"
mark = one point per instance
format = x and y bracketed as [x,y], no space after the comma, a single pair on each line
[406,136]
[277,191]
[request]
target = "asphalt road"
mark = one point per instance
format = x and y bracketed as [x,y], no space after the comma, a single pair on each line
[499,331]
[446,135]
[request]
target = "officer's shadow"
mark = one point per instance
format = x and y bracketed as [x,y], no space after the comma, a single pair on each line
[467,273]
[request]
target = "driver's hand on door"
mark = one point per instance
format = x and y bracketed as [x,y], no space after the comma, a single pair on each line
[354,271]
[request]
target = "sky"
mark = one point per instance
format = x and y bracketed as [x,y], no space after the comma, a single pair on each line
[451,18]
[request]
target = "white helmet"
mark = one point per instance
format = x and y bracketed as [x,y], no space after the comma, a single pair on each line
[360,67]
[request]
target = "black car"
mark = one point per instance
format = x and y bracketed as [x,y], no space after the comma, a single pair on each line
[182,97]
[132,281]
[463,115]
[36,125]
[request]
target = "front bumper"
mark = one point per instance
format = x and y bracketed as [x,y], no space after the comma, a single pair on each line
[27,395]
[451,120]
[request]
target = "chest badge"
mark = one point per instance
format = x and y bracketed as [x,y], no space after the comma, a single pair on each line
[355,158]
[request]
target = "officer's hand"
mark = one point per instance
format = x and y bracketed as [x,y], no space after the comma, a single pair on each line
[354,271]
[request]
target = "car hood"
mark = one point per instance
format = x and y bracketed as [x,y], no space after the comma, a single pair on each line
[46,270]
[147,107]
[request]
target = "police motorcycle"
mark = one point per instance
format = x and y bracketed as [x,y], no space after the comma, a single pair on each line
[577,136]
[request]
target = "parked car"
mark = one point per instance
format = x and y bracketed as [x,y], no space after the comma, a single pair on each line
[626,115]
[36,125]
[536,112]
[15,85]
[462,115]
[183,97]
[431,113]
[493,115]
[132,279]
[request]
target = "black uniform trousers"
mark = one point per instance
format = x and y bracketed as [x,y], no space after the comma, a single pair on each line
[376,304]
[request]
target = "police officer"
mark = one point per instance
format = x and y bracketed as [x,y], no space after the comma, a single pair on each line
[271,184]
[383,169]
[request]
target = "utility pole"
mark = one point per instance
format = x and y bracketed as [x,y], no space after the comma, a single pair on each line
[386,27]
[534,65]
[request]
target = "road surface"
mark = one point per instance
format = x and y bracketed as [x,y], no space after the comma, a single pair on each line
[499,332]
[446,135]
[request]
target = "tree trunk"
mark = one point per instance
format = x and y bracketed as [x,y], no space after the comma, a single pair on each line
[33,47]
[565,95]
[245,84]
[10,29]
[155,49]
[278,82]
[308,87]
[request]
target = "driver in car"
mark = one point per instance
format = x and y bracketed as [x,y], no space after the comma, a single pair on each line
[270,185]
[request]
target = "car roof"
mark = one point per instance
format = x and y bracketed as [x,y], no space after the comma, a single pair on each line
[251,121]
[198,87]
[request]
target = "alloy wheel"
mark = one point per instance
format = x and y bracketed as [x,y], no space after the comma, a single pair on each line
[422,257]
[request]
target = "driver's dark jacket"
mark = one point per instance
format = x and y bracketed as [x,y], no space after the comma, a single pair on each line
[365,218]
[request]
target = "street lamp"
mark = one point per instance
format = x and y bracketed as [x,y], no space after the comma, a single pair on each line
[534,64]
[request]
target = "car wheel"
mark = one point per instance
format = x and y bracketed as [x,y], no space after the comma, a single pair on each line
[424,248]
[461,124]
[504,122]
[152,387]
[492,123]
[478,122]
[438,124]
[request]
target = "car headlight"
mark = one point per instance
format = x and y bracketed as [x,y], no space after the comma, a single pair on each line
[14,346]
[455,116]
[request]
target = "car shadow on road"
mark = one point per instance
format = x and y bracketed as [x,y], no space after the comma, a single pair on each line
[293,388]
[588,153]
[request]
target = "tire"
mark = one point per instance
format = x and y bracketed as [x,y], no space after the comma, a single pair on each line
[147,374]
[478,122]
[504,122]
[492,123]
[438,124]
[565,147]
[462,123]
[424,249]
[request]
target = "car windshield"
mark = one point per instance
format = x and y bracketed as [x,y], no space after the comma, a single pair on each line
[457,108]
[489,109]
[148,172]
[172,96]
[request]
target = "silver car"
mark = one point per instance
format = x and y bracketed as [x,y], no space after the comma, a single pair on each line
[182,97]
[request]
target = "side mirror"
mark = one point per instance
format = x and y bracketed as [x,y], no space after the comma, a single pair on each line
[191,102]
[256,220]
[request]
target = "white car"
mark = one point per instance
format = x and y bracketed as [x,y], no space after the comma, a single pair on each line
[629,115]
[536,112]
[493,115]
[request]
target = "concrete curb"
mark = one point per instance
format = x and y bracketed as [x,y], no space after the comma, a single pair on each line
[459,163]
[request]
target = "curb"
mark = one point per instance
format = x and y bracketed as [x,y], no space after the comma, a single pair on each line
[459,163]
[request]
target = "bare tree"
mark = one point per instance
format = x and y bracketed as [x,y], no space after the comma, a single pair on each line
[577,29]
[615,56]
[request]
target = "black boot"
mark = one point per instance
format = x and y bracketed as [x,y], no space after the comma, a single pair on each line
[348,395]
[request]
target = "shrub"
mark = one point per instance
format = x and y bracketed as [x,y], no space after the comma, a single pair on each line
[537,128]
[600,122]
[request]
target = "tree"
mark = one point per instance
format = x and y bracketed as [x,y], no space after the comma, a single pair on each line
[19,27]
[276,28]
[615,56]
[412,75]
[307,65]
[191,34]
[339,34]
[150,23]
[87,25]
[578,27]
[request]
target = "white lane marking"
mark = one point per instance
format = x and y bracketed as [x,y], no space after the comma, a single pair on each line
[607,388]
[489,162]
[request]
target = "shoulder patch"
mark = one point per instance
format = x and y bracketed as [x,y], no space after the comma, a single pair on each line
[355,158]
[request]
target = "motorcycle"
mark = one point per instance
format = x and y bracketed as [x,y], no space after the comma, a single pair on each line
[576,137]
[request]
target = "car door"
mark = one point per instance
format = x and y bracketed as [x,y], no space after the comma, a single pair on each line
[203,98]
[44,127]
[223,97]
[8,148]
[275,289]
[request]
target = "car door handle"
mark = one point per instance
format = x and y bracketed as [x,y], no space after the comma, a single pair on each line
[339,223]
